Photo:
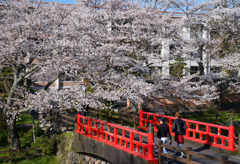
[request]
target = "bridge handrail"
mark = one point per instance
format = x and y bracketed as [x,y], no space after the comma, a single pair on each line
[195,134]
[90,127]
[187,120]
[115,125]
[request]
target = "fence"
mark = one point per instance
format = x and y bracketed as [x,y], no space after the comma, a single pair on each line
[123,138]
[122,118]
[61,119]
[67,120]
[21,153]
[200,114]
[189,153]
[205,133]
[238,145]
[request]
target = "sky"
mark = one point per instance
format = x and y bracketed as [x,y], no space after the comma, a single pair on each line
[62,1]
[73,1]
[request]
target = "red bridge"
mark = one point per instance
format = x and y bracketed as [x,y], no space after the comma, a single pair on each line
[197,131]
[140,144]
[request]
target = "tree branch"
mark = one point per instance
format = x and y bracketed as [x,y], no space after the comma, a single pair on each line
[52,81]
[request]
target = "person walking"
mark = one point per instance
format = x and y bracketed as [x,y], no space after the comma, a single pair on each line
[163,133]
[179,128]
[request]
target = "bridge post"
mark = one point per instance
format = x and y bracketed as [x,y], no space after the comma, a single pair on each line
[150,141]
[115,136]
[141,117]
[154,122]
[188,154]
[207,134]
[187,130]
[89,126]
[131,141]
[160,157]
[239,144]
[78,122]
[102,131]
[170,125]
[231,134]
[224,159]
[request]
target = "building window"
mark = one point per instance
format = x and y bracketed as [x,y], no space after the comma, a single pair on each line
[193,70]
[67,78]
[155,72]
[196,30]
[157,49]
[216,69]
[172,49]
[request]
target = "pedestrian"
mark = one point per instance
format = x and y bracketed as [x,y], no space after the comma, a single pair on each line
[163,133]
[179,128]
[85,109]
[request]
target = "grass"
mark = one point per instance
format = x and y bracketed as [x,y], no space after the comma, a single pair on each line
[25,118]
[26,139]
[51,159]
[68,134]
[210,117]
[4,148]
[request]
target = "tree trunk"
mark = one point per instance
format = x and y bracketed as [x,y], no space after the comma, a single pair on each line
[13,137]
[201,68]
[200,63]
[1,113]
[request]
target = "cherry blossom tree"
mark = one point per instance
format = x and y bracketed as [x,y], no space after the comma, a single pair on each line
[223,22]
[207,31]
[31,44]
[108,46]
[110,42]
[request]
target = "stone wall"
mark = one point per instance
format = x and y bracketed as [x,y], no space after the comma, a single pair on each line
[66,155]
[86,159]
[87,145]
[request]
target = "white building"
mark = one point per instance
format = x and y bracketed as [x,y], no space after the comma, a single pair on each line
[161,65]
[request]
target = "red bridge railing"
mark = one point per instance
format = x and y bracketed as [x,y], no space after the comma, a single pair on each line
[205,133]
[123,138]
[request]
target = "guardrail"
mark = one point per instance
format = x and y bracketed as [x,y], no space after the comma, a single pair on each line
[123,138]
[201,132]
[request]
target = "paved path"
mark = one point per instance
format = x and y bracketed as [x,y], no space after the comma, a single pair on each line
[202,150]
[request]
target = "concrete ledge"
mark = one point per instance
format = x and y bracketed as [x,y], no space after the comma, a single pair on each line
[205,146]
[83,144]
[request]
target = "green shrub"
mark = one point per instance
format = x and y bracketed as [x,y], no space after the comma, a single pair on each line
[35,160]
[38,131]
[3,125]
[3,138]
[47,143]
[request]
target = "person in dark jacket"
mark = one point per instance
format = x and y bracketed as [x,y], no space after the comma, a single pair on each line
[163,133]
[179,128]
